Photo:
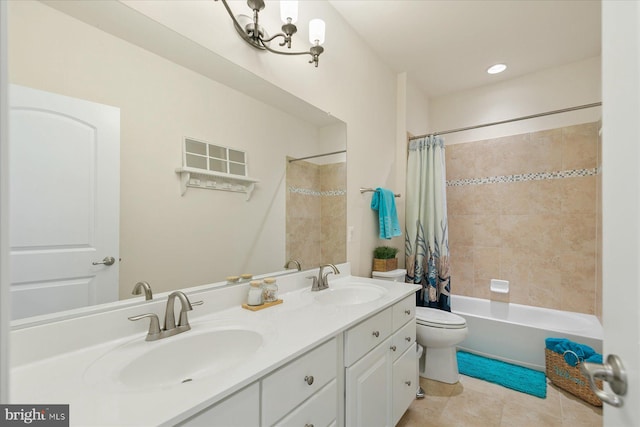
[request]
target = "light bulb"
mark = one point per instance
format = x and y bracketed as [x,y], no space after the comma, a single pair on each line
[316,31]
[289,10]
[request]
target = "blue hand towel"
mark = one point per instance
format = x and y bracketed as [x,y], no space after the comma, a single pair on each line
[571,350]
[384,202]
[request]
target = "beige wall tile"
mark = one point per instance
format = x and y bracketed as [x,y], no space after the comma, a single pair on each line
[579,233]
[484,199]
[579,195]
[486,264]
[514,231]
[545,196]
[460,230]
[543,236]
[580,146]
[460,161]
[545,154]
[515,197]
[486,231]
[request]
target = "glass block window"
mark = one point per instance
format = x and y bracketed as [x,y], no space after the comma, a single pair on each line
[214,158]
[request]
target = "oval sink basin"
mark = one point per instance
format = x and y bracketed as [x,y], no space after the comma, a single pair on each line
[143,365]
[351,294]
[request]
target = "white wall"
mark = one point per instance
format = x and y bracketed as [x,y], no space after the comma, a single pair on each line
[351,83]
[412,108]
[169,240]
[552,89]
[417,110]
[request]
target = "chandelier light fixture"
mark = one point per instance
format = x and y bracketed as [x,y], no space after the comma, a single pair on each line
[253,33]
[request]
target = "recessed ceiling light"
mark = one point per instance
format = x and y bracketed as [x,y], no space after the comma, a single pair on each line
[495,69]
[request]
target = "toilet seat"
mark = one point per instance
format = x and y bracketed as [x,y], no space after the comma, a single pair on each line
[436,318]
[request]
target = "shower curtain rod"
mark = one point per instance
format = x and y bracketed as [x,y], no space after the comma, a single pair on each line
[517,119]
[318,155]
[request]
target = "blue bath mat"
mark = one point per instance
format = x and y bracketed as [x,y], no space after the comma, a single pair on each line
[505,374]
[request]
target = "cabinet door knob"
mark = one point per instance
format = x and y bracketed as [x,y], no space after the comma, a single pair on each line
[309,379]
[408,383]
[376,334]
[407,312]
[408,339]
[393,348]
[308,425]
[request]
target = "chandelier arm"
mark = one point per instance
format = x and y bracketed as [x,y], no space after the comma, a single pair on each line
[236,24]
[283,35]
[284,53]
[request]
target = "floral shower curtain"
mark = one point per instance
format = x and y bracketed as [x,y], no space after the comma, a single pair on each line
[427,236]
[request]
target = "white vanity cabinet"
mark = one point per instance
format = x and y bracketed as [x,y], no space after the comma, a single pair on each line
[299,391]
[380,366]
[302,392]
[241,409]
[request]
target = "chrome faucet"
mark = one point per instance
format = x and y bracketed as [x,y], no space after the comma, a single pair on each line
[170,327]
[293,261]
[321,282]
[139,287]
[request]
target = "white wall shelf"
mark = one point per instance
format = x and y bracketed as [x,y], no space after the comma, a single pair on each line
[198,178]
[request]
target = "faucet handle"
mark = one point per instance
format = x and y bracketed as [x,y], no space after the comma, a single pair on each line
[314,285]
[154,325]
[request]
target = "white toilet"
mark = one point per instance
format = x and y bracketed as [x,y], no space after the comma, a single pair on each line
[438,332]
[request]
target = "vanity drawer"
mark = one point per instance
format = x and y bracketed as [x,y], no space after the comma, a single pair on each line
[292,384]
[239,409]
[363,337]
[319,411]
[404,311]
[403,339]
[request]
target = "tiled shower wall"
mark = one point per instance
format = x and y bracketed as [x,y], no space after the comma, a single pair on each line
[526,209]
[316,213]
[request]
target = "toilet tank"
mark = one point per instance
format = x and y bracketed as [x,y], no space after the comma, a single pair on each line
[396,275]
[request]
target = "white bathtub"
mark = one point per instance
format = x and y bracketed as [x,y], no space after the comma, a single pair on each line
[515,333]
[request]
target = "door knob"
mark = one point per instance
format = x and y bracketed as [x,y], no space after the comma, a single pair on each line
[612,372]
[108,260]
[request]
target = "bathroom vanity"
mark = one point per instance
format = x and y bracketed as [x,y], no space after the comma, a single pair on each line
[342,356]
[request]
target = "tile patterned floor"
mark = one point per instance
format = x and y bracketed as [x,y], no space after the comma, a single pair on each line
[476,403]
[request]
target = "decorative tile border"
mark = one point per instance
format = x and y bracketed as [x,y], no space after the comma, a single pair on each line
[310,192]
[536,176]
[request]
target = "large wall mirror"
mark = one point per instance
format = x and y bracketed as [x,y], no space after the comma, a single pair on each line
[169,239]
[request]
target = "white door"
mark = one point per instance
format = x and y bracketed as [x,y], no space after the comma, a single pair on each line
[621,199]
[64,202]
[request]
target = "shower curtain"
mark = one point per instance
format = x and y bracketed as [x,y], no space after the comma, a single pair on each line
[426,239]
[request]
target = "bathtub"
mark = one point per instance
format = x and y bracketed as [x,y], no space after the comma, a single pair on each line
[515,333]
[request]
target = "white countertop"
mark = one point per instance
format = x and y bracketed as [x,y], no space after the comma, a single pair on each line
[289,330]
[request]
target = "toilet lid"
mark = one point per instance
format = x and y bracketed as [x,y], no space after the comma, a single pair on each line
[439,318]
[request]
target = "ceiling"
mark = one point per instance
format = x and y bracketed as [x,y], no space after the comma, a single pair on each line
[445,46]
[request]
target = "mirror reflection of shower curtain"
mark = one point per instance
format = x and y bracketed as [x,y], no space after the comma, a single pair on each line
[427,236]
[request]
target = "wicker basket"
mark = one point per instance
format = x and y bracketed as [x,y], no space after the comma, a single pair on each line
[385,264]
[570,378]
